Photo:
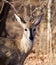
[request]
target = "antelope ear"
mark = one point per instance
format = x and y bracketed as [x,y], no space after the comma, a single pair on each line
[20,20]
[38,20]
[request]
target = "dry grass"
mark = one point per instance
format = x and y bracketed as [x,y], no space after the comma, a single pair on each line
[40,57]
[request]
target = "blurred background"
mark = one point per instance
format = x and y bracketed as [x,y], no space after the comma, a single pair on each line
[45,39]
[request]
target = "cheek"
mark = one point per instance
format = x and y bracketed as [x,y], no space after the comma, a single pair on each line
[34,33]
[27,33]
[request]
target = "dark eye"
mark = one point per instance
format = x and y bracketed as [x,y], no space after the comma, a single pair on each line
[34,29]
[25,29]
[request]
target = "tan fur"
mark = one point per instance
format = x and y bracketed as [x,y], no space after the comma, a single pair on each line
[19,47]
[10,49]
[29,24]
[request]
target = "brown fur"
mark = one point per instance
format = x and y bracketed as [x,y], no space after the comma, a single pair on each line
[9,48]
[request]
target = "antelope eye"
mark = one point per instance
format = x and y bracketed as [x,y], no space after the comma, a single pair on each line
[34,29]
[25,29]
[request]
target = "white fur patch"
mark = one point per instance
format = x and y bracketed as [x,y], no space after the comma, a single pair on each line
[25,45]
[19,20]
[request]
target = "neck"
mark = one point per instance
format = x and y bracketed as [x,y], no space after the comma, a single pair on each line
[26,44]
[24,37]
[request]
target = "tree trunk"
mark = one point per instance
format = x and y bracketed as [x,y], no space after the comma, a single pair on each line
[3,17]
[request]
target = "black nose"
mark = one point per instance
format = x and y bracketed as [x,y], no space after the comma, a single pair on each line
[31,38]
[31,34]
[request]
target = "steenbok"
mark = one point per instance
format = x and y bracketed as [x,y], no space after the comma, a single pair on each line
[13,52]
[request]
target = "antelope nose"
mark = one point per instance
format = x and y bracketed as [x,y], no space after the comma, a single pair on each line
[31,38]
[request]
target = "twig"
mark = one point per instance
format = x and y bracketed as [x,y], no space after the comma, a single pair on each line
[11,6]
[40,8]
[49,36]
[1,8]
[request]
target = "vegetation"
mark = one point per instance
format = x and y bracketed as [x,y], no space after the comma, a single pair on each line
[45,40]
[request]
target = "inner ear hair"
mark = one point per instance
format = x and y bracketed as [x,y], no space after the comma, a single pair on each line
[39,19]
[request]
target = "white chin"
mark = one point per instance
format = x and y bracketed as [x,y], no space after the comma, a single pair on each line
[26,45]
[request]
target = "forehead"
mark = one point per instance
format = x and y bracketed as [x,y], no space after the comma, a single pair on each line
[29,25]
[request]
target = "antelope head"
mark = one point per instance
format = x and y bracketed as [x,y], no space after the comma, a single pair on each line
[29,30]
